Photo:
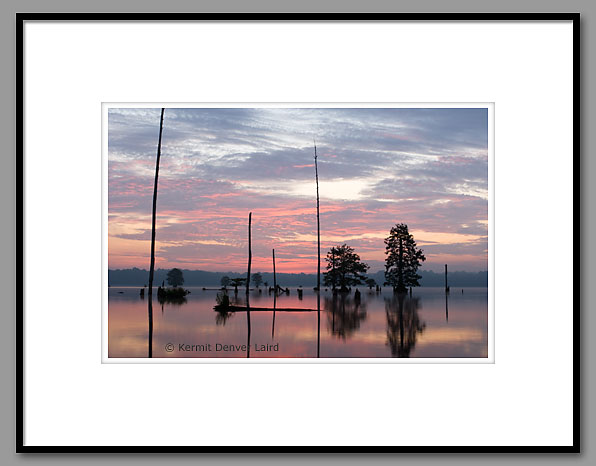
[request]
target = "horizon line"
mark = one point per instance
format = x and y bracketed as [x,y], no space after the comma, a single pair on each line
[288,273]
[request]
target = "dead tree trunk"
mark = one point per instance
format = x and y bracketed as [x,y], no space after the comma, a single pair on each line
[446,285]
[318,226]
[152,266]
[274,277]
[249,253]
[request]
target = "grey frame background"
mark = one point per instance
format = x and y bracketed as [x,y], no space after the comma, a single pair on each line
[8,258]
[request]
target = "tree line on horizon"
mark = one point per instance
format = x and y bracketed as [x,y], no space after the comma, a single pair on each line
[137,277]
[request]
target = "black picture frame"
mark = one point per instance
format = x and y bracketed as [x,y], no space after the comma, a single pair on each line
[21,18]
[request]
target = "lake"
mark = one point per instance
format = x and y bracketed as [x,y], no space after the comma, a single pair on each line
[379,325]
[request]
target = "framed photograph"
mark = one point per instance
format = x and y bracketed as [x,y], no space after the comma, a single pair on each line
[280,212]
[239,231]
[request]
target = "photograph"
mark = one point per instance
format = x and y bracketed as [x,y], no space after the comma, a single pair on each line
[265,208]
[336,231]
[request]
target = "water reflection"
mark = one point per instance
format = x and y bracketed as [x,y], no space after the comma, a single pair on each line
[248,329]
[318,322]
[380,325]
[273,322]
[222,308]
[150,330]
[344,315]
[222,316]
[446,307]
[403,324]
[176,300]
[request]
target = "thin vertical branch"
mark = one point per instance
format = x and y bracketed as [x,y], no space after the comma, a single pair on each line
[249,253]
[318,225]
[152,267]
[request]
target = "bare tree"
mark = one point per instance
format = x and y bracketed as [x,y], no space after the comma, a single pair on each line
[318,224]
[249,253]
[152,267]
[274,277]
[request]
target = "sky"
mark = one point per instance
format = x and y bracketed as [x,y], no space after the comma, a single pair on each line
[425,167]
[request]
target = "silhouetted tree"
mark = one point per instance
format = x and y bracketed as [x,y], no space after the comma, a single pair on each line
[371,283]
[257,279]
[175,277]
[403,259]
[344,268]
[225,281]
[236,282]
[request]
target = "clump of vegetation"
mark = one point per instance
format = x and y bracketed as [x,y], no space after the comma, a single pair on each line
[176,294]
[223,308]
[223,301]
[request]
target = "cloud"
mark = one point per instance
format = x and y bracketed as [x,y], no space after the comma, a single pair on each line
[425,167]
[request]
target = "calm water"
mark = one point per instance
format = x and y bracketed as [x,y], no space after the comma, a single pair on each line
[382,325]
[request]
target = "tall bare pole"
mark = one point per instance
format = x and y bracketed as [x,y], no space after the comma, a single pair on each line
[274,278]
[318,224]
[249,253]
[446,287]
[152,267]
[318,259]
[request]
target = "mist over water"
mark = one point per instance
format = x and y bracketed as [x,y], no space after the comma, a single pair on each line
[379,325]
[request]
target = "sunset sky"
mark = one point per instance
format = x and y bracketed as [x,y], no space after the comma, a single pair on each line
[424,167]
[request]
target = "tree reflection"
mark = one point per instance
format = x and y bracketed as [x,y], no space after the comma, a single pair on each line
[177,300]
[403,324]
[344,315]
[222,316]
[222,308]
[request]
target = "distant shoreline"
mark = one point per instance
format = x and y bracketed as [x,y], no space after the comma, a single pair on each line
[200,278]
